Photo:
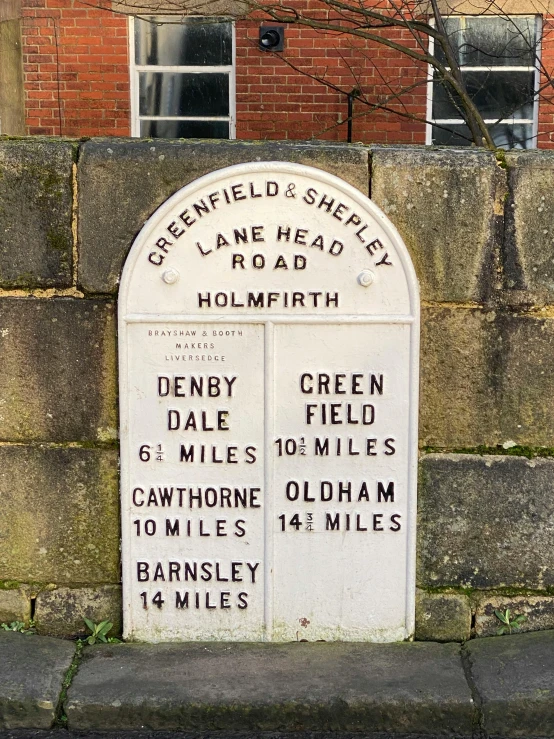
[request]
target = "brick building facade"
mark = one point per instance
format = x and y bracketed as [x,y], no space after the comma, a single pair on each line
[81,75]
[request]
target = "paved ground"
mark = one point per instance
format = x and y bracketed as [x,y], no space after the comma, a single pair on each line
[499,686]
[64,734]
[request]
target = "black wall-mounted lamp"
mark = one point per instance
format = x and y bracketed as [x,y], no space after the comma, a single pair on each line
[272,38]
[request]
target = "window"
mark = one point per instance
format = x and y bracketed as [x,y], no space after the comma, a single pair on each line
[182,77]
[498,60]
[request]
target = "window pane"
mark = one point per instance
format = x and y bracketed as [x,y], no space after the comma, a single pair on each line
[446,104]
[452,135]
[491,42]
[507,136]
[502,94]
[193,42]
[496,94]
[452,28]
[184,129]
[174,94]
[517,136]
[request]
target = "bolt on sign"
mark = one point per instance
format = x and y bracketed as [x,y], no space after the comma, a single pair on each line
[268,338]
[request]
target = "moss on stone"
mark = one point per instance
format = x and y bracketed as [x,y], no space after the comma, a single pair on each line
[444,617]
[61,717]
[23,280]
[514,451]
[39,382]
[447,589]
[49,540]
[57,240]
[479,592]
[484,522]
[500,155]
[102,443]
[37,198]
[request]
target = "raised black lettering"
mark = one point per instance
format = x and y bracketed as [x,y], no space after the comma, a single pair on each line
[385,495]
[321,447]
[143,571]
[395,522]
[182,601]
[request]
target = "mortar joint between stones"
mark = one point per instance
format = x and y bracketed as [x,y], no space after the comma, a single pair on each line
[60,720]
[479,716]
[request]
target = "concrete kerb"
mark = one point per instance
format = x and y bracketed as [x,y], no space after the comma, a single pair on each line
[498,686]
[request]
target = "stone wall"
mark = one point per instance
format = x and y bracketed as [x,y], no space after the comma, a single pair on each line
[480,231]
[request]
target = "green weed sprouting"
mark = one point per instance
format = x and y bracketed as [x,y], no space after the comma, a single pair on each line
[508,623]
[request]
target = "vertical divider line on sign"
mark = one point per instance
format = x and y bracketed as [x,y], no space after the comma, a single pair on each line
[125,477]
[412,476]
[269,362]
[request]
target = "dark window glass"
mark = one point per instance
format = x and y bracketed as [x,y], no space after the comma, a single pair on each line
[448,134]
[496,94]
[184,129]
[176,94]
[446,103]
[517,136]
[491,42]
[192,42]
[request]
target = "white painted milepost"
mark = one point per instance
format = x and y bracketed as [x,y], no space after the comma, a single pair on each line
[269,348]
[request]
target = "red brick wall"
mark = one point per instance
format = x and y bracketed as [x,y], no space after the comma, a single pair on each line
[275,101]
[76,67]
[546,101]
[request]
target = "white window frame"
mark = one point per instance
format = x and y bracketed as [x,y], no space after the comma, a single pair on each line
[451,121]
[135,70]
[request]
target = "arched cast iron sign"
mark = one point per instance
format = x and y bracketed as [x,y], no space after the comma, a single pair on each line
[269,348]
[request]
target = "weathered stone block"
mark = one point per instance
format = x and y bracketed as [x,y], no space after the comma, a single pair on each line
[57,370]
[514,676]
[61,507]
[526,371]
[485,522]
[442,617]
[448,207]
[487,378]
[36,240]
[61,612]
[31,678]
[538,609]
[121,183]
[331,686]
[458,387]
[528,264]
[15,605]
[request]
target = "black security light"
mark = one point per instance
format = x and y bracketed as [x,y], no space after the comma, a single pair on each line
[272,38]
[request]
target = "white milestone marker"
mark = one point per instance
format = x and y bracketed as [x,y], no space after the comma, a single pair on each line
[269,350]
